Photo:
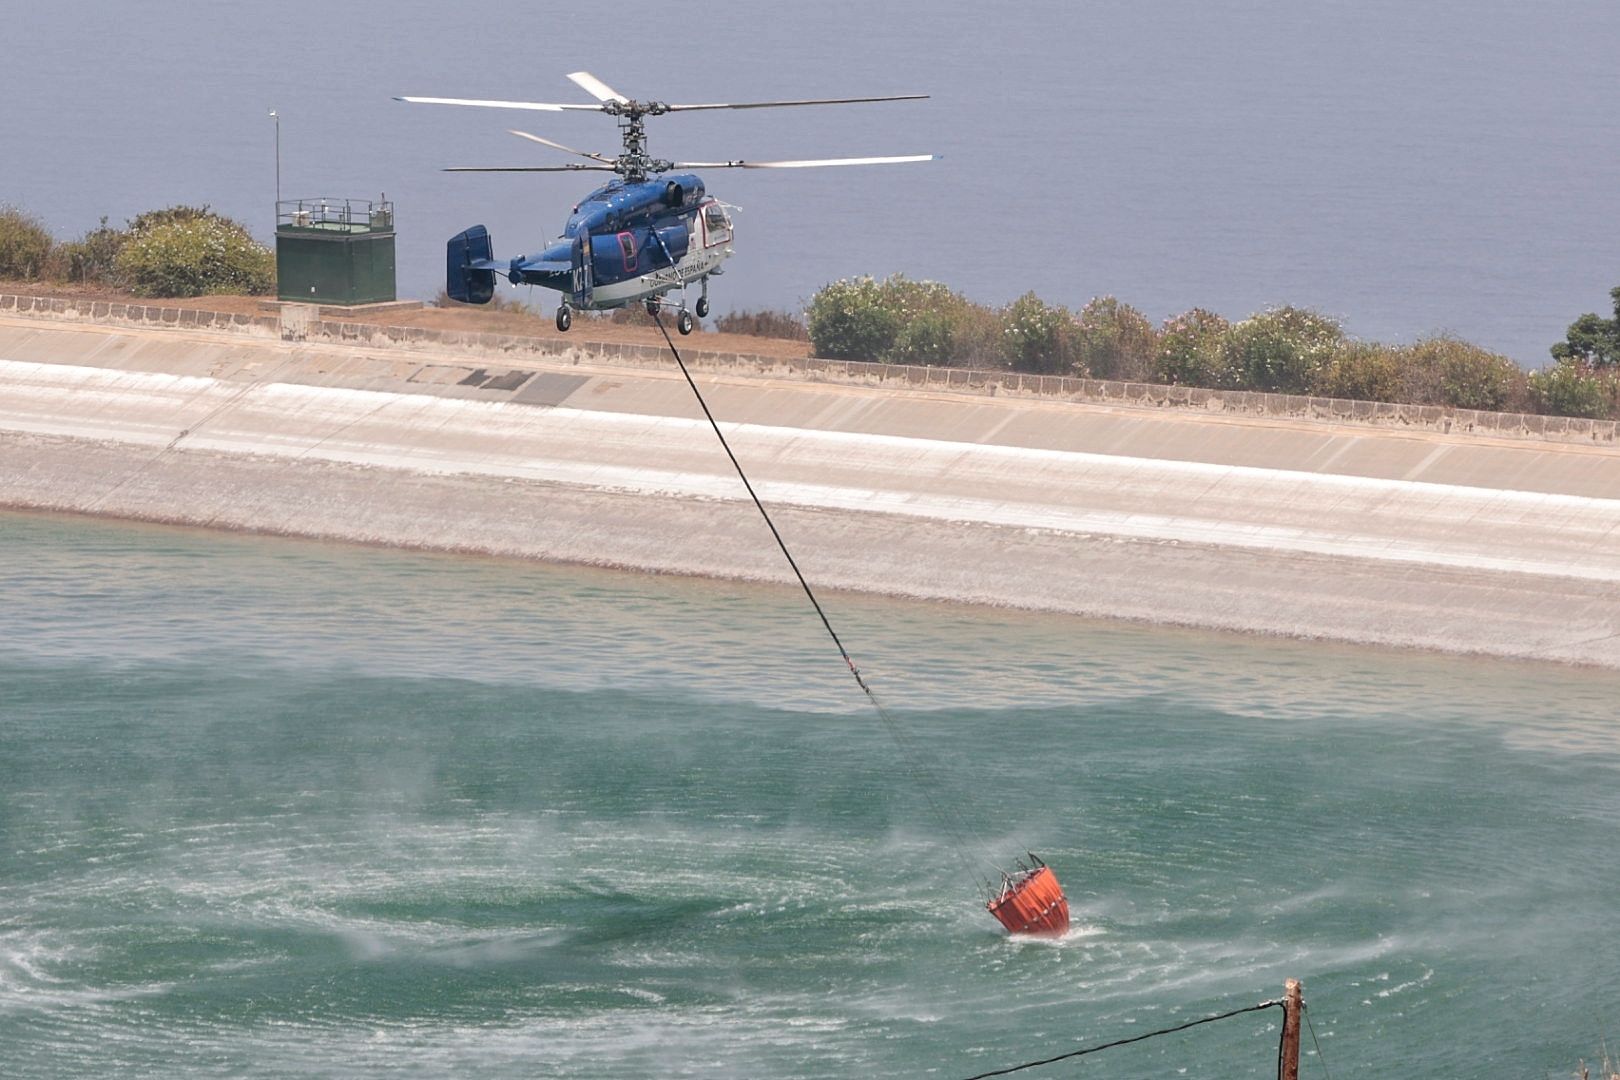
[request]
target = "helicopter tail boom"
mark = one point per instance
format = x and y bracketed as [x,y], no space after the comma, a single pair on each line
[469,271]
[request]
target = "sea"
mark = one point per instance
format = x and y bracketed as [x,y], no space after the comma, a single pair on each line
[273,807]
[1448,166]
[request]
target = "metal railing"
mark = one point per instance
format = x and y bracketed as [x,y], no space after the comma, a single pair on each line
[335,215]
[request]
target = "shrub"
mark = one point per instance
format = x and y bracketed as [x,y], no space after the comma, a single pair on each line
[1362,371]
[1040,338]
[1573,387]
[628,315]
[173,215]
[1281,350]
[925,340]
[769,324]
[500,302]
[976,337]
[852,319]
[24,245]
[1447,371]
[188,252]
[1189,352]
[940,327]
[92,259]
[909,299]
[1115,341]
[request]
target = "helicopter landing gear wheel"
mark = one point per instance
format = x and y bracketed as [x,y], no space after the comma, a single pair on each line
[683,322]
[702,307]
[565,318]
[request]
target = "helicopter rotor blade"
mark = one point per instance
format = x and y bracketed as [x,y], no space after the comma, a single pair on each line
[539,106]
[530,168]
[780,104]
[812,164]
[598,89]
[560,146]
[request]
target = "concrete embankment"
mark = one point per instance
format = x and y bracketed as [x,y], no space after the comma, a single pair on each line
[1502,546]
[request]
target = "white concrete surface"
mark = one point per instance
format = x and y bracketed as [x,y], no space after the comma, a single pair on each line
[1293,528]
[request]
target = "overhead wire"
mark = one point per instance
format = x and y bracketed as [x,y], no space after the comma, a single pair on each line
[1083,1051]
[230,400]
[1305,1011]
[959,832]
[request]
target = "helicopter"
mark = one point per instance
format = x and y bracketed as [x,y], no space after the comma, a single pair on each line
[652,230]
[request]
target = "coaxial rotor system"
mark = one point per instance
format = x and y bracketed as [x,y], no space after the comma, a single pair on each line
[634,163]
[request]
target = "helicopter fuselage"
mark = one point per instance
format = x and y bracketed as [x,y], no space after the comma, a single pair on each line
[640,237]
[626,241]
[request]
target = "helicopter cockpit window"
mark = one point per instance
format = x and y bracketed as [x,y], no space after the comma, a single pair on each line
[716,225]
[627,247]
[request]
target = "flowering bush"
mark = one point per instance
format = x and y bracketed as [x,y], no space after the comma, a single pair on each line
[189,252]
[1189,351]
[852,320]
[903,321]
[925,340]
[942,327]
[1040,338]
[1282,350]
[910,299]
[1574,387]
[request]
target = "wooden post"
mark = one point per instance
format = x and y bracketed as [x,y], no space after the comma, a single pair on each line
[1292,1004]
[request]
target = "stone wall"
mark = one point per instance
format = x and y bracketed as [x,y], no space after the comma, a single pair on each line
[171,314]
[299,322]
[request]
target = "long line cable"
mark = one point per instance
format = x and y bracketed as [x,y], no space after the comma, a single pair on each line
[954,826]
[1009,1070]
[903,739]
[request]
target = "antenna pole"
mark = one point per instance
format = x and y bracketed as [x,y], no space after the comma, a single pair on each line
[276,116]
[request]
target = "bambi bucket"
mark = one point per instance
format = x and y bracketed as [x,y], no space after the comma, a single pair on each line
[1032,902]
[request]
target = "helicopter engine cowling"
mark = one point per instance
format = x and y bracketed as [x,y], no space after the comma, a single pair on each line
[675,240]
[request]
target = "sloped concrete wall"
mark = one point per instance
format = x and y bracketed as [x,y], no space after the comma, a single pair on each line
[299,323]
[1409,538]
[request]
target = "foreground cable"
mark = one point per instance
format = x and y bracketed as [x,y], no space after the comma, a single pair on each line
[1274,1003]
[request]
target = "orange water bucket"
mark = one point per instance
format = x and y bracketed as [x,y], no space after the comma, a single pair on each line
[1032,902]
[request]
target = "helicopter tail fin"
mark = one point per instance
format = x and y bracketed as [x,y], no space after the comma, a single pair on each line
[468,276]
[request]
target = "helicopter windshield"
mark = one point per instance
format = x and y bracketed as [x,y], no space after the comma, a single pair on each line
[716,225]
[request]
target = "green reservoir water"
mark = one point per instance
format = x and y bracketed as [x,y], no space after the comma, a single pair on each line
[271,808]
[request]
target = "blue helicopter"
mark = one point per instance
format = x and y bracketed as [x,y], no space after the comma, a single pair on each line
[647,233]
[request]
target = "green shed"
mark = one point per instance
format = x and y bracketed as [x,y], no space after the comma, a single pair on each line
[335,251]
